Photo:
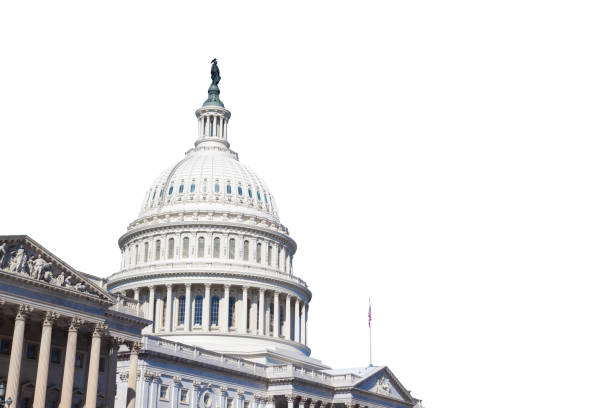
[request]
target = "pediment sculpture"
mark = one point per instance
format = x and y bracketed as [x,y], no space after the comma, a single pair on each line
[21,260]
[383,386]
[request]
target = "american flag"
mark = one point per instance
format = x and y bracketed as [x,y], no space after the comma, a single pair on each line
[369,313]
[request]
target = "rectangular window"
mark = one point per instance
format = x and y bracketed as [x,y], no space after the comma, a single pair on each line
[246,404]
[146,251]
[181,310]
[214,311]
[245,251]
[185,247]
[163,392]
[270,255]
[170,248]
[5,346]
[230,403]
[201,247]
[136,255]
[157,249]
[101,364]
[185,396]
[56,355]
[31,351]
[259,252]
[197,318]
[78,360]
[216,247]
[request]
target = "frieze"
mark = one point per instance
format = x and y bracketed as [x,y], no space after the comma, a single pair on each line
[19,259]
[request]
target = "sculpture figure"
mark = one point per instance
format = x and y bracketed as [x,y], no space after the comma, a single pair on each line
[38,266]
[215,75]
[3,255]
[60,279]
[19,261]
[68,281]
[48,277]
[383,386]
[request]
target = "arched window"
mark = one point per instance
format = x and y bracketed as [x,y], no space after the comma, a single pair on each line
[185,247]
[181,310]
[170,248]
[146,251]
[181,187]
[228,189]
[245,251]
[250,193]
[200,247]
[270,255]
[214,311]
[197,313]
[239,190]
[216,247]
[232,312]
[157,249]
[259,252]
[232,248]
[216,187]
[192,188]
[170,190]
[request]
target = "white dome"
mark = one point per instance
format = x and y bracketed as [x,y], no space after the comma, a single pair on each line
[209,179]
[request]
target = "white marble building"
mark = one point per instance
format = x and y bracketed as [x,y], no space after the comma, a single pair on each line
[209,264]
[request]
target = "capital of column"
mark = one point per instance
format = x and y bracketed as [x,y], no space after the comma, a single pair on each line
[223,390]
[226,286]
[261,290]
[50,318]
[290,399]
[23,311]
[136,347]
[100,329]
[188,284]
[169,286]
[75,323]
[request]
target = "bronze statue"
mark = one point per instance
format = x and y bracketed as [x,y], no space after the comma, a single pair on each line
[214,72]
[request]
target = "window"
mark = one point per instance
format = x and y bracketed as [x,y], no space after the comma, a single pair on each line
[101,364]
[248,314]
[78,360]
[192,188]
[197,315]
[181,310]
[259,252]
[245,404]
[228,189]
[214,311]
[170,248]
[240,190]
[31,351]
[245,250]
[266,198]
[157,249]
[185,247]
[230,403]
[163,392]
[216,247]
[184,396]
[281,313]
[258,196]
[200,247]
[5,346]
[136,255]
[216,187]
[207,400]
[154,192]
[232,311]
[181,189]
[271,317]
[270,255]
[56,355]
[250,193]
[278,257]
[232,248]
[146,251]
[170,190]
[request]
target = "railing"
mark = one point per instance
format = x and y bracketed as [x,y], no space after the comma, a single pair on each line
[127,305]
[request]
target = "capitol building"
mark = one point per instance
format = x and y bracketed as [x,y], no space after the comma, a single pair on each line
[206,310]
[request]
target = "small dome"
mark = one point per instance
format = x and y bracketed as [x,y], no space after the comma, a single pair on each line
[209,180]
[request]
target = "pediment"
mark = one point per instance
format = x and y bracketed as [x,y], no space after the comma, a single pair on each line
[23,258]
[381,381]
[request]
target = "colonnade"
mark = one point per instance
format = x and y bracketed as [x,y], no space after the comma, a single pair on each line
[213,126]
[224,308]
[97,334]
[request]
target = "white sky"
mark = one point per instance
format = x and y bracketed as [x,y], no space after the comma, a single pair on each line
[450,160]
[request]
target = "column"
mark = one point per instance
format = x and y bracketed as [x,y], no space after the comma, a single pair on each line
[158,313]
[306,325]
[270,402]
[287,322]
[296,322]
[301,404]
[68,379]
[289,401]
[225,317]
[152,307]
[94,366]
[144,386]
[168,326]
[276,314]
[303,331]
[14,372]
[154,392]
[206,311]
[111,373]
[44,351]
[132,374]
[245,310]
[222,395]
[137,294]
[187,325]
[261,306]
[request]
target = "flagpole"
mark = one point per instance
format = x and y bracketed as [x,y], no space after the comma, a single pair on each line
[370,327]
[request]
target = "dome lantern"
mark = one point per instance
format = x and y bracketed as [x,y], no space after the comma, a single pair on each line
[212,116]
